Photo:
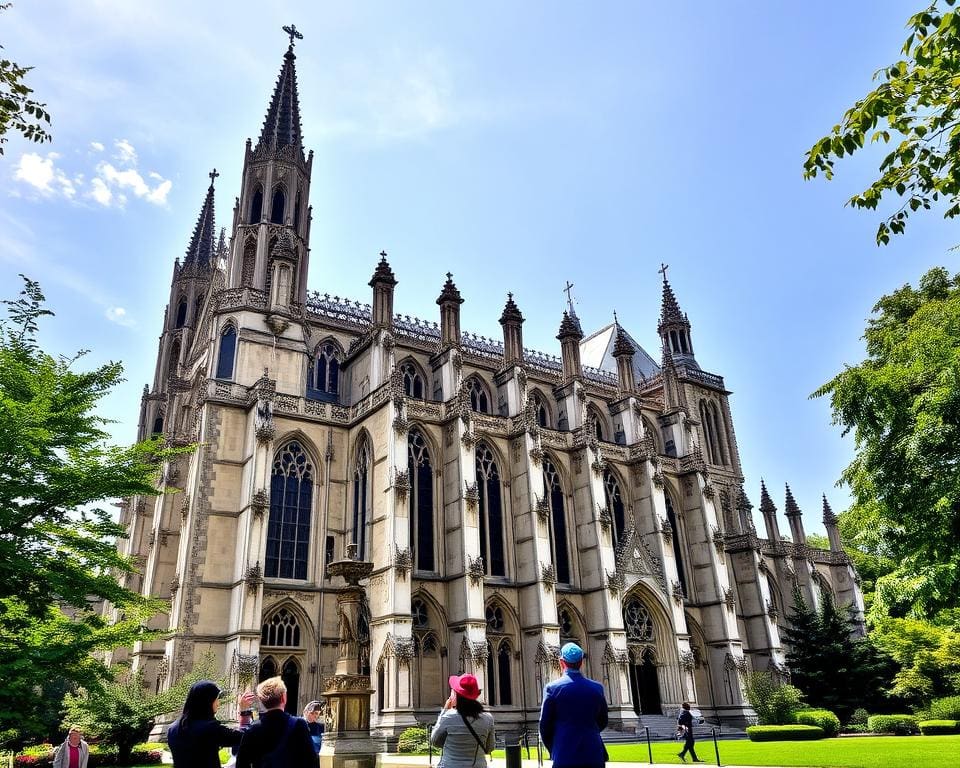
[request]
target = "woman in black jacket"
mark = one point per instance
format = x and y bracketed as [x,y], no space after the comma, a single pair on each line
[196,737]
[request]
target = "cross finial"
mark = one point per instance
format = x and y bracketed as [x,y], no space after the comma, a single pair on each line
[213,175]
[291,29]
[615,321]
[383,254]
[449,275]
[663,270]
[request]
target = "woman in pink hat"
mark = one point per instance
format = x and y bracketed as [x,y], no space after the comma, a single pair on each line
[463,729]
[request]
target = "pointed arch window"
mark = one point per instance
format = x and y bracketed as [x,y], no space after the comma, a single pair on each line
[542,411]
[553,492]
[324,373]
[361,496]
[277,206]
[479,401]
[227,352]
[291,678]
[197,309]
[615,505]
[412,380]
[595,417]
[268,669]
[421,495]
[291,501]
[158,425]
[249,263]
[181,319]
[173,364]
[256,207]
[280,630]
[491,512]
[677,545]
[296,213]
[637,621]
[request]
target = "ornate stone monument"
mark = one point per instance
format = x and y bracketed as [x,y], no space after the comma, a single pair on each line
[347,742]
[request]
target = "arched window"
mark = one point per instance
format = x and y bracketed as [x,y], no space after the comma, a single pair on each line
[296,213]
[158,424]
[419,614]
[712,432]
[361,496]
[504,682]
[280,630]
[197,309]
[615,505]
[491,512]
[412,380]
[173,364]
[276,208]
[256,208]
[291,501]
[494,617]
[325,373]
[421,497]
[249,264]
[479,401]
[181,313]
[637,621]
[677,545]
[228,349]
[291,678]
[553,491]
[543,413]
[268,669]
[594,416]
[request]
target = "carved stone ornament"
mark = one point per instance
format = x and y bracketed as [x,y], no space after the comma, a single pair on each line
[400,423]
[401,483]
[676,591]
[604,517]
[666,530]
[772,611]
[577,462]
[762,566]
[548,574]
[468,439]
[163,667]
[542,507]
[598,465]
[547,653]
[729,599]
[708,490]
[475,569]
[612,655]
[536,455]
[480,651]
[471,495]
[687,660]
[174,585]
[616,583]
[717,536]
[259,503]
[254,578]
[403,649]
[184,510]
[403,561]
[347,683]
[658,477]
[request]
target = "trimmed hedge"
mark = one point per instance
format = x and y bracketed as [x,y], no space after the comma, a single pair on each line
[898,725]
[946,708]
[413,740]
[939,727]
[784,732]
[822,718]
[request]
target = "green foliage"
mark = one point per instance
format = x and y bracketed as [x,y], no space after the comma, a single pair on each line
[413,740]
[18,111]
[822,718]
[122,712]
[58,556]
[784,732]
[859,717]
[938,727]
[928,655]
[899,725]
[903,405]
[775,703]
[946,708]
[915,110]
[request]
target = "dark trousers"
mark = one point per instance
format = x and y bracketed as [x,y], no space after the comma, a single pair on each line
[688,745]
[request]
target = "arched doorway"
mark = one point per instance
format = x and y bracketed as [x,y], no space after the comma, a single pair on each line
[291,678]
[641,641]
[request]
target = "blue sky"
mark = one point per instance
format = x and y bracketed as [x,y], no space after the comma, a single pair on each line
[517,145]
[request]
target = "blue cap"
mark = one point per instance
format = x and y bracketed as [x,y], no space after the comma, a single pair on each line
[571,653]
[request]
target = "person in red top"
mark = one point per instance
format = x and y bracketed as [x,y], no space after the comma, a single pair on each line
[73,753]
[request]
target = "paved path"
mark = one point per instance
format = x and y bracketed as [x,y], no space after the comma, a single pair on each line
[392,760]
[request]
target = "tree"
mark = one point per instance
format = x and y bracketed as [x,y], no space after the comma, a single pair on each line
[18,111]
[774,702]
[834,670]
[903,405]
[58,556]
[928,654]
[916,109]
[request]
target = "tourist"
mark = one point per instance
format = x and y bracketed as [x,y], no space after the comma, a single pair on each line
[685,726]
[464,729]
[73,753]
[574,712]
[312,715]
[277,739]
[195,738]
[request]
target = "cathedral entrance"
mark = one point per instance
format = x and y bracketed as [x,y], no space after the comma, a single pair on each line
[291,678]
[645,688]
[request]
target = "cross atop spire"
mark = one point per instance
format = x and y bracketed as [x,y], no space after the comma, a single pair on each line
[201,248]
[291,29]
[663,270]
[568,289]
[281,126]
[213,176]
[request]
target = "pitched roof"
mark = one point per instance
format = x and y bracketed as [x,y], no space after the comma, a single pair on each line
[597,350]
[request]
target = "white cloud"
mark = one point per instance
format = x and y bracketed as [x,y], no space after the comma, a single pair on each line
[126,154]
[119,316]
[96,146]
[159,195]
[131,179]
[36,171]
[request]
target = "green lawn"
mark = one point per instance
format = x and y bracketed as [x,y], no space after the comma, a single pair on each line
[860,752]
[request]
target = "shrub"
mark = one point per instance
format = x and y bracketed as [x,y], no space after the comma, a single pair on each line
[823,718]
[38,756]
[939,727]
[413,740]
[859,717]
[784,732]
[774,703]
[899,725]
[947,708]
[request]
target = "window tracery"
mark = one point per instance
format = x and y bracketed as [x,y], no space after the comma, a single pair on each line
[479,401]
[421,495]
[490,512]
[281,630]
[413,385]
[637,621]
[291,501]
[553,491]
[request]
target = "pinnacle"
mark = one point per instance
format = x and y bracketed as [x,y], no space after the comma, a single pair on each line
[511,312]
[200,250]
[669,308]
[449,292]
[790,508]
[621,344]
[281,126]
[743,501]
[828,517]
[383,274]
[569,327]
[766,503]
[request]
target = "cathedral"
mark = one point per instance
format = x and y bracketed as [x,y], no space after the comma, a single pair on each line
[509,500]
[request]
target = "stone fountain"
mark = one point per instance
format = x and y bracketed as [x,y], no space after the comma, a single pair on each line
[347,742]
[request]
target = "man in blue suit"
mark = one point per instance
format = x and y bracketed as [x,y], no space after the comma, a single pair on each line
[574,712]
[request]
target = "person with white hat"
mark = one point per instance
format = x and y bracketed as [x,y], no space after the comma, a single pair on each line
[574,712]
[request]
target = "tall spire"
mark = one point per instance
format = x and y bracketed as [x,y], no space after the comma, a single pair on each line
[790,506]
[281,127]
[201,248]
[769,512]
[669,307]
[674,327]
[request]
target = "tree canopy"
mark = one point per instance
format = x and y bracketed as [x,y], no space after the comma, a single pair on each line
[902,404]
[915,109]
[58,556]
[18,110]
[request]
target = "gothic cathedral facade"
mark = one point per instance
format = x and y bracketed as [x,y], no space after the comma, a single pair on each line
[509,500]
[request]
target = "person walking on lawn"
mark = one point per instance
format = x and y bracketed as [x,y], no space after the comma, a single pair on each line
[685,724]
